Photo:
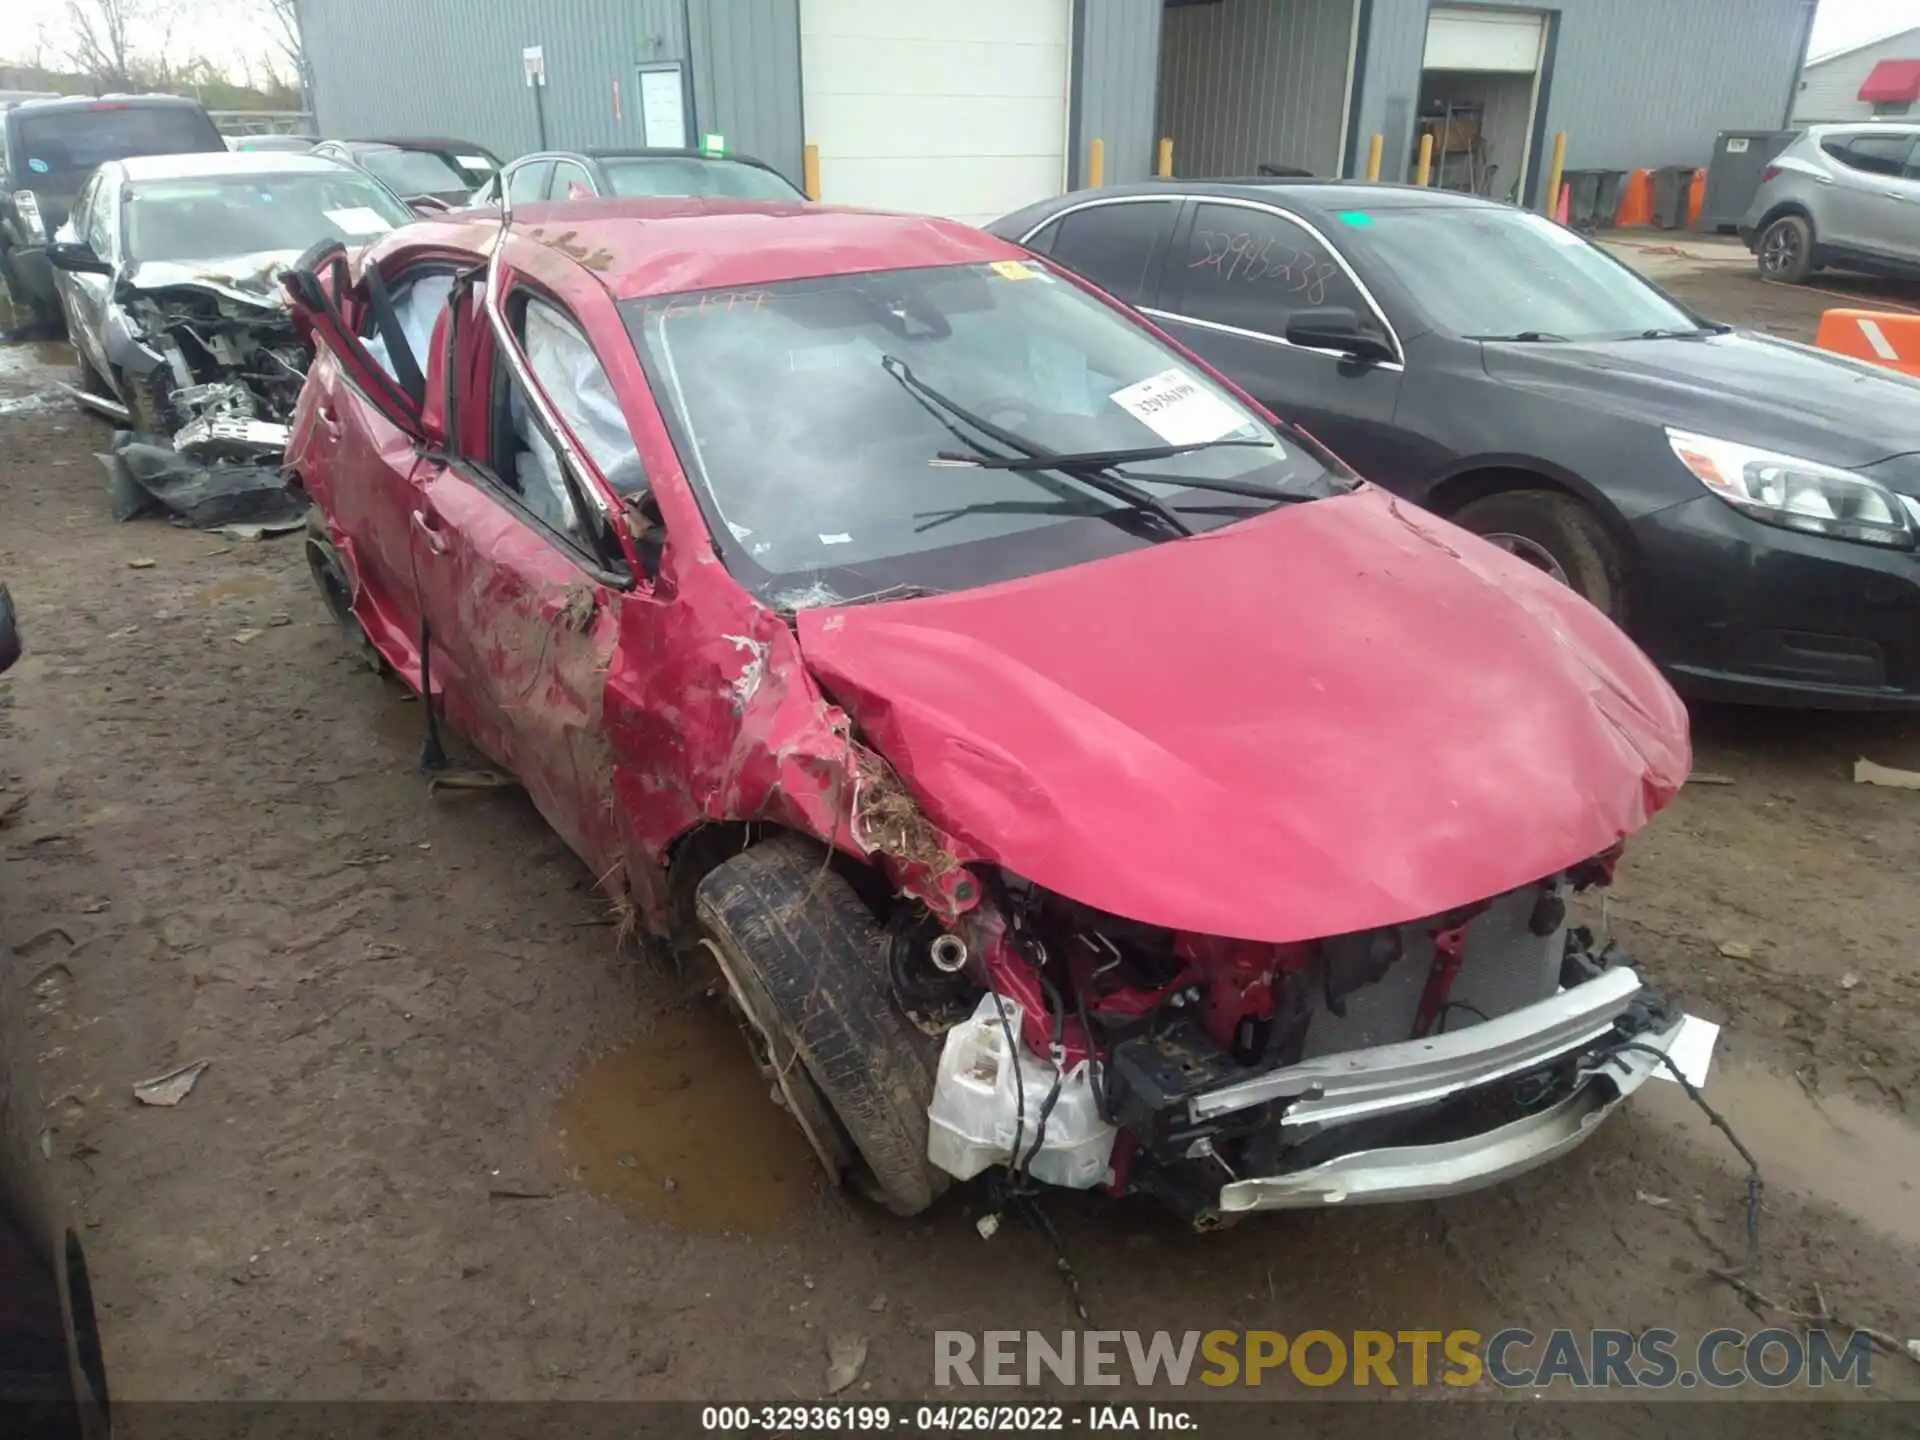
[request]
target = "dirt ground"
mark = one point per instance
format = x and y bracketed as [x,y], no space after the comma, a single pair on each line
[454,1143]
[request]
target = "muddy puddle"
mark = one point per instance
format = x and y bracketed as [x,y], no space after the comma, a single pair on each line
[678,1127]
[1855,1157]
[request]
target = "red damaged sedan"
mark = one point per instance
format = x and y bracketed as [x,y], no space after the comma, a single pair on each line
[1068,767]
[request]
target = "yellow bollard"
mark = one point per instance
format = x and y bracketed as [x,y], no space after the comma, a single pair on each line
[1425,167]
[1373,156]
[1097,164]
[1554,172]
[1164,169]
[810,171]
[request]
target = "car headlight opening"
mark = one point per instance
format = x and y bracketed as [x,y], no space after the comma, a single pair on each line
[1797,494]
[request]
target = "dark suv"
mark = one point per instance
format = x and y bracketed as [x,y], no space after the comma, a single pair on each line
[51,146]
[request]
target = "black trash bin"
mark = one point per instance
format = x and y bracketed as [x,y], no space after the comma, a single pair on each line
[1672,185]
[1593,197]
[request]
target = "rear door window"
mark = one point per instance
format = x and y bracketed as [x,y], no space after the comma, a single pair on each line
[1116,246]
[1254,270]
[529,182]
[571,182]
[1871,154]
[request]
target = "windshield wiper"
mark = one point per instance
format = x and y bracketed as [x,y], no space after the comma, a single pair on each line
[1097,459]
[1685,332]
[1034,456]
[1527,337]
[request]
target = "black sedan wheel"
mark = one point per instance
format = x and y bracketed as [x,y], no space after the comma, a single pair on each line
[1554,533]
[1786,250]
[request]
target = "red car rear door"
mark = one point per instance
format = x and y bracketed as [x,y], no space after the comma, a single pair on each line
[360,433]
[521,566]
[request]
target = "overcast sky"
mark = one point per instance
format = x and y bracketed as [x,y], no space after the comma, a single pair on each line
[225,30]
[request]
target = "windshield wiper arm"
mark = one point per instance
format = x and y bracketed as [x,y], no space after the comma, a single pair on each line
[1095,459]
[1036,458]
[1527,337]
[1685,332]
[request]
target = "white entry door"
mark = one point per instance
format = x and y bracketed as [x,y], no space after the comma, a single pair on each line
[937,106]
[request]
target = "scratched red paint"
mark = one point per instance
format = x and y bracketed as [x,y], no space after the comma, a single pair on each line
[1333,717]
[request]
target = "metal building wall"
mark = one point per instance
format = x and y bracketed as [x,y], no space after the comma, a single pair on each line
[1116,64]
[746,77]
[453,67]
[1633,83]
[1244,82]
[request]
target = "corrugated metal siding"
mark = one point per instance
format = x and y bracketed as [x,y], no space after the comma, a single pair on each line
[1830,89]
[452,67]
[746,69]
[1633,84]
[1116,62]
[1251,81]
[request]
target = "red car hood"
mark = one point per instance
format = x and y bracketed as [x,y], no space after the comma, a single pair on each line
[1341,715]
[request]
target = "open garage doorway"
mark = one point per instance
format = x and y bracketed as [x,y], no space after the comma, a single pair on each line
[1252,87]
[1479,93]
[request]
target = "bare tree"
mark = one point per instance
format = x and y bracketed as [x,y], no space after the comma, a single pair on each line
[283,17]
[100,41]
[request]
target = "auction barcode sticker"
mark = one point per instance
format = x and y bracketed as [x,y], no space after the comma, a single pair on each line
[1177,408]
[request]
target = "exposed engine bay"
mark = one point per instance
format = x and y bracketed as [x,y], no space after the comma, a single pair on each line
[1087,1050]
[210,420]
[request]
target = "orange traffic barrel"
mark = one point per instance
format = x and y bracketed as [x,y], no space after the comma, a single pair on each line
[1636,200]
[1882,337]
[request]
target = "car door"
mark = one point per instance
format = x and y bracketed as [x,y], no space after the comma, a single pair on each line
[1236,273]
[1867,209]
[83,296]
[522,568]
[1119,244]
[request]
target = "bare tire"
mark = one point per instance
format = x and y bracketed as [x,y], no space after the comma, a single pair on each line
[1557,534]
[336,589]
[805,961]
[1785,251]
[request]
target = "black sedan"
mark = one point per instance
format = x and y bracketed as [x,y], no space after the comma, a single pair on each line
[1745,506]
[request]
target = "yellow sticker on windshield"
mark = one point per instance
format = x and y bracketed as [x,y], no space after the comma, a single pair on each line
[1012,270]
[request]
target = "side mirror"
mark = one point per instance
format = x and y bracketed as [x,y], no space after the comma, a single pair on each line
[76,259]
[1335,327]
[9,632]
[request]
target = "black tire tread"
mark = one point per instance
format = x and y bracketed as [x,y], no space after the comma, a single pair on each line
[797,933]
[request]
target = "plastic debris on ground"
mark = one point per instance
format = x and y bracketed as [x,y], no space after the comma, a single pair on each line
[171,1088]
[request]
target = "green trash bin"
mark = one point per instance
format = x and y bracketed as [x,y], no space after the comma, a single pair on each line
[1672,184]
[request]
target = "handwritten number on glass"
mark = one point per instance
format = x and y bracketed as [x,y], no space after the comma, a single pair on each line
[1239,255]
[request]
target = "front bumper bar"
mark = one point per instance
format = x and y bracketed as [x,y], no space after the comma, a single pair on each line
[1455,1167]
[1336,1089]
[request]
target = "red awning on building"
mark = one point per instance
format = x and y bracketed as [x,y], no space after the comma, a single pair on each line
[1892,82]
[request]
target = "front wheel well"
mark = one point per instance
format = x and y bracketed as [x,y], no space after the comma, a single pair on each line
[1780,212]
[1456,492]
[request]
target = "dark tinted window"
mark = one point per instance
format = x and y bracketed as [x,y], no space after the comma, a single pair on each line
[1113,245]
[1254,270]
[65,141]
[529,182]
[1872,154]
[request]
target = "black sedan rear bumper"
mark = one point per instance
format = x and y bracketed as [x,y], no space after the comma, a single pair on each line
[1751,613]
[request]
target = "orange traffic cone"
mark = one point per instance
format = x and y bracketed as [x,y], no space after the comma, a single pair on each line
[1565,205]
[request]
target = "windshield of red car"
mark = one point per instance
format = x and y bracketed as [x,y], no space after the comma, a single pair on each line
[1490,273]
[641,175]
[413,172]
[816,456]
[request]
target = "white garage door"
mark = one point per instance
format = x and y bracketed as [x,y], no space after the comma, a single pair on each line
[1483,40]
[937,106]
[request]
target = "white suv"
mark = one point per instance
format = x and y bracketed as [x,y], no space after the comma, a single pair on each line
[1844,195]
